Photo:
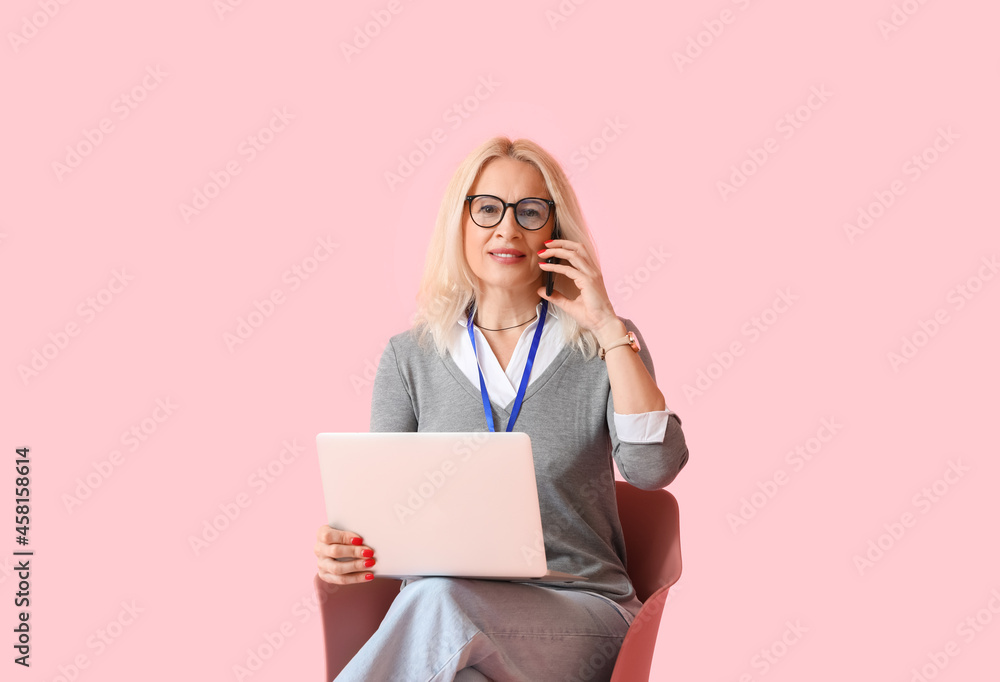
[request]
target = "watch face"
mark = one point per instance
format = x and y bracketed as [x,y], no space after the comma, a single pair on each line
[633,341]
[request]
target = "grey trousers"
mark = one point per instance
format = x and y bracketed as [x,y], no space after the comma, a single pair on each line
[445,629]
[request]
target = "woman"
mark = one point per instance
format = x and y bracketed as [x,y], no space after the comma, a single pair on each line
[507,209]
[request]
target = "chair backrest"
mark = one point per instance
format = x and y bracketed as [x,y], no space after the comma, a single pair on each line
[651,524]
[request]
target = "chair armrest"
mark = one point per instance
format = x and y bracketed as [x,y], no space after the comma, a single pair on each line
[635,658]
[351,614]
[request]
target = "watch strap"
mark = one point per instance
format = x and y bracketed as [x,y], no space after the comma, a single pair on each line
[629,339]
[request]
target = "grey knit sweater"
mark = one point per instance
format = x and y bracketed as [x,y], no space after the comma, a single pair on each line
[568,413]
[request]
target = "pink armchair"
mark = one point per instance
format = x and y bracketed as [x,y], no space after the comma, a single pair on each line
[651,523]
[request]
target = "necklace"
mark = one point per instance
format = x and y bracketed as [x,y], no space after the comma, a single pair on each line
[503,328]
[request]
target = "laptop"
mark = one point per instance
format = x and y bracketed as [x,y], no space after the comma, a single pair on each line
[461,504]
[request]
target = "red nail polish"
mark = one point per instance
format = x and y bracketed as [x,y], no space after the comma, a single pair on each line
[369,563]
[368,552]
[548,240]
[369,576]
[542,251]
[355,541]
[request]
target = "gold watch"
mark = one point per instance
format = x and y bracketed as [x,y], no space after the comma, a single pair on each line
[629,339]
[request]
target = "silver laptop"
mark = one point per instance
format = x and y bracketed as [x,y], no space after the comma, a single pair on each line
[439,504]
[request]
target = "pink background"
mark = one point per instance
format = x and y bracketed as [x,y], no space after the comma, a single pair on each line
[660,135]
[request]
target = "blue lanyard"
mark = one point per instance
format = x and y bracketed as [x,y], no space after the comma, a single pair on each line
[524,377]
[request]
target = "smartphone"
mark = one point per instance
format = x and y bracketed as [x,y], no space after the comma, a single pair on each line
[550,276]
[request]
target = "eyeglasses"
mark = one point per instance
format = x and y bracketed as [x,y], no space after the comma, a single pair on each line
[531,213]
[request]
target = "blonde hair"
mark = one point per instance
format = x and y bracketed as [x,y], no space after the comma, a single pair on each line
[449,287]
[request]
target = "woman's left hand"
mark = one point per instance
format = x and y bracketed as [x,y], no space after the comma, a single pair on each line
[592,309]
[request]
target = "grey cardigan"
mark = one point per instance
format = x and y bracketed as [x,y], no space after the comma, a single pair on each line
[568,413]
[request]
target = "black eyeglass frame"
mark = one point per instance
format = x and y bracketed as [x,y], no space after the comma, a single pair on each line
[552,210]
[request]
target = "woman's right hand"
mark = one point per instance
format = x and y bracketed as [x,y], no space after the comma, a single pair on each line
[333,543]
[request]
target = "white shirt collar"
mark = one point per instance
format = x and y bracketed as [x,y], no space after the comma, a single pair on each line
[502,384]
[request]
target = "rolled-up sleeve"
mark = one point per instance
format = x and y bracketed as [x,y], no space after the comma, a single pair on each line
[645,427]
[392,407]
[651,464]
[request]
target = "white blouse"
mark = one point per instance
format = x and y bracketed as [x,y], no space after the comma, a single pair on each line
[645,427]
